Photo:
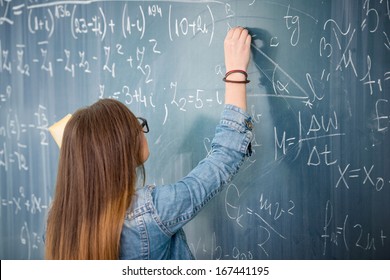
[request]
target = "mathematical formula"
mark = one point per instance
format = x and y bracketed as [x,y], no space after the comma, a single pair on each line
[349,236]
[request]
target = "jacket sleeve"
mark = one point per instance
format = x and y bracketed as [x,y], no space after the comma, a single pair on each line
[178,203]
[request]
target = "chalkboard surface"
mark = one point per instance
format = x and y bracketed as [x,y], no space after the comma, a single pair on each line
[318,184]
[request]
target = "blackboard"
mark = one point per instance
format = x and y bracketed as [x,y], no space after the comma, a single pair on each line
[318,184]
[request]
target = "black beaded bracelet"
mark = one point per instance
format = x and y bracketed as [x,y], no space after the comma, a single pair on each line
[236,82]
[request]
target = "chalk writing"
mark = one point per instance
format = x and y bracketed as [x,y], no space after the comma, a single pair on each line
[362,175]
[266,214]
[326,127]
[349,236]
[292,23]
[382,120]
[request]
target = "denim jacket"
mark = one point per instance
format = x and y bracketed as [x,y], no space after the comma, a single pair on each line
[153,226]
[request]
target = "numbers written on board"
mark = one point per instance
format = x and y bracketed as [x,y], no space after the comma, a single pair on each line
[268,215]
[197,99]
[215,251]
[13,151]
[98,24]
[21,204]
[183,27]
[318,127]
[350,177]
[5,94]
[349,235]
[342,44]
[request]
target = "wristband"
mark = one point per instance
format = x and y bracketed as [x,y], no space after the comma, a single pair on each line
[236,82]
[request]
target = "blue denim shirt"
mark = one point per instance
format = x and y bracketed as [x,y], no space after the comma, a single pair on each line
[153,226]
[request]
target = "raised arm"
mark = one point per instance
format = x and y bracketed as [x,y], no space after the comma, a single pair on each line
[178,203]
[237,52]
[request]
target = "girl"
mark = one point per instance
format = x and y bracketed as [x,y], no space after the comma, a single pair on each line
[97,212]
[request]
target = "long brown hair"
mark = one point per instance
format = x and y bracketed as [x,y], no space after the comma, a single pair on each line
[96,180]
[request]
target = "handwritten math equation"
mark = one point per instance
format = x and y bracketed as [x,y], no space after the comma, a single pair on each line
[348,235]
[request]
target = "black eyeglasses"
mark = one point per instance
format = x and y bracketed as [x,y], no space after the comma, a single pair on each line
[144,124]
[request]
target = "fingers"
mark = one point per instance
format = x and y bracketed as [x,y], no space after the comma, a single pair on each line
[248,39]
[237,48]
[238,34]
[245,38]
[234,32]
[229,35]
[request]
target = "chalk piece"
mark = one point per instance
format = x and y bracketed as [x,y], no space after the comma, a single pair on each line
[57,129]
